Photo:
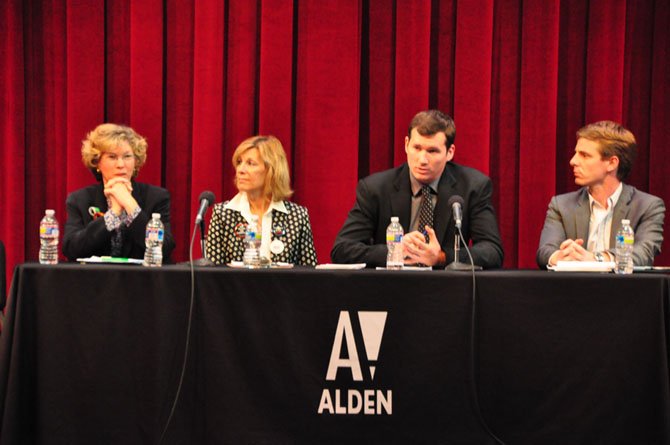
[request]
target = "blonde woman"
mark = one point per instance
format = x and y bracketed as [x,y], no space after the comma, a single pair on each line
[110,218]
[263,184]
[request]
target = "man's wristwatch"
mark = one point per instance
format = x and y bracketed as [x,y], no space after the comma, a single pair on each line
[599,257]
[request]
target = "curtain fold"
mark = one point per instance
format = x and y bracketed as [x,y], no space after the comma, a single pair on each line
[337,82]
[537,104]
[13,207]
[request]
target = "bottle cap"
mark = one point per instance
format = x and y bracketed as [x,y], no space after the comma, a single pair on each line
[394,219]
[156,215]
[625,221]
[50,212]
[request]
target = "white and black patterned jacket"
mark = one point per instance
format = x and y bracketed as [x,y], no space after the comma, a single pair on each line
[225,240]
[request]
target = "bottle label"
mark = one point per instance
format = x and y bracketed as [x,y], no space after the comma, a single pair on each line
[254,235]
[50,231]
[154,234]
[628,240]
[390,237]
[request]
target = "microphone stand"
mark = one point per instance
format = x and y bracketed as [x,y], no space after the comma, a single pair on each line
[204,261]
[456,264]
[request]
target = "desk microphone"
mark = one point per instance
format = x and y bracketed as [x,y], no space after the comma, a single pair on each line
[206,199]
[456,203]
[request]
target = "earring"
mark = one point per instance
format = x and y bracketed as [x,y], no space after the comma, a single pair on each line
[97,170]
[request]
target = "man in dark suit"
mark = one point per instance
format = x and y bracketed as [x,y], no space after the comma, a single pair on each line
[582,225]
[418,188]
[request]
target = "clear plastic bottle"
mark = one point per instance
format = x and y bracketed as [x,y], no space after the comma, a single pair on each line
[49,232]
[153,241]
[252,245]
[625,238]
[394,234]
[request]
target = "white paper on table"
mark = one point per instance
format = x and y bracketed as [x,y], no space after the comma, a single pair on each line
[583,266]
[334,266]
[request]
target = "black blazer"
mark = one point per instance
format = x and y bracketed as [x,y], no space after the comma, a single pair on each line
[85,236]
[362,239]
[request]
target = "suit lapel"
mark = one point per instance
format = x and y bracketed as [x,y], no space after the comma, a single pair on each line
[281,221]
[99,199]
[401,198]
[442,216]
[583,216]
[620,212]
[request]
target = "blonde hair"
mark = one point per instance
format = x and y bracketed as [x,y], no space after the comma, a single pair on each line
[614,140]
[277,181]
[106,137]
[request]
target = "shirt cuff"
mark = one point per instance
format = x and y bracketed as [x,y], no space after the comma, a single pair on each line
[112,221]
[130,218]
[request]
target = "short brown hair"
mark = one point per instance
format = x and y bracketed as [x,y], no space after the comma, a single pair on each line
[277,179]
[614,140]
[106,137]
[430,122]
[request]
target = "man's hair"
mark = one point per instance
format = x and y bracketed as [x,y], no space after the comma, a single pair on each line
[430,122]
[613,140]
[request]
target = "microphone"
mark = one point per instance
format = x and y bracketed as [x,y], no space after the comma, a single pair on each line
[206,199]
[456,204]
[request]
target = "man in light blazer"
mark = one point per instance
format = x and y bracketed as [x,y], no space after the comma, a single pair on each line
[582,225]
[429,178]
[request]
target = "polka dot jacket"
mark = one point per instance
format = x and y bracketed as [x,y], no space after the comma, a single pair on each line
[225,236]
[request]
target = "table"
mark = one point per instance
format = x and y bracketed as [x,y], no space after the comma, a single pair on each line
[92,354]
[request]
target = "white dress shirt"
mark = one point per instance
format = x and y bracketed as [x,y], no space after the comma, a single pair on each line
[600,224]
[240,203]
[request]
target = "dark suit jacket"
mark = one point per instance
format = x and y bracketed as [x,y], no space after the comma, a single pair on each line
[85,236]
[569,215]
[362,239]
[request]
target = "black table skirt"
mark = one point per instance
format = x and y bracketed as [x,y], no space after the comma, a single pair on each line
[92,354]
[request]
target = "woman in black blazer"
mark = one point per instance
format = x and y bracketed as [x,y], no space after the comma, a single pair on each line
[110,218]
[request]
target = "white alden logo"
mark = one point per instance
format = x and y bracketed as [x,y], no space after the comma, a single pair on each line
[354,401]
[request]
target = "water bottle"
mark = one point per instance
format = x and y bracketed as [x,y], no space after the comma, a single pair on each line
[625,238]
[49,238]
[252,245]
[153,242]
[394,234]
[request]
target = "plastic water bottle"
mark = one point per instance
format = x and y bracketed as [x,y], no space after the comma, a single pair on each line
[49,232]
[394,234]
[153,241]
[252,245]
[625,238]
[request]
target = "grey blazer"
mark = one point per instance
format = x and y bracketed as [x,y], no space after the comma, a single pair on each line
[569,214]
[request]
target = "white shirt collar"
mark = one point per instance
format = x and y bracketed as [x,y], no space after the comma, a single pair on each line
[240,203]
[611,201]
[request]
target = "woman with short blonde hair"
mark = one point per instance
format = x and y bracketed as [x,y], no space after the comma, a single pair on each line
[109,218]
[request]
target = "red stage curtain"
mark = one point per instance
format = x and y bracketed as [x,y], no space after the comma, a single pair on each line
[337,82]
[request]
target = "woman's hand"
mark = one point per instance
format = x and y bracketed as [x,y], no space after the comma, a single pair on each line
[119,192]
